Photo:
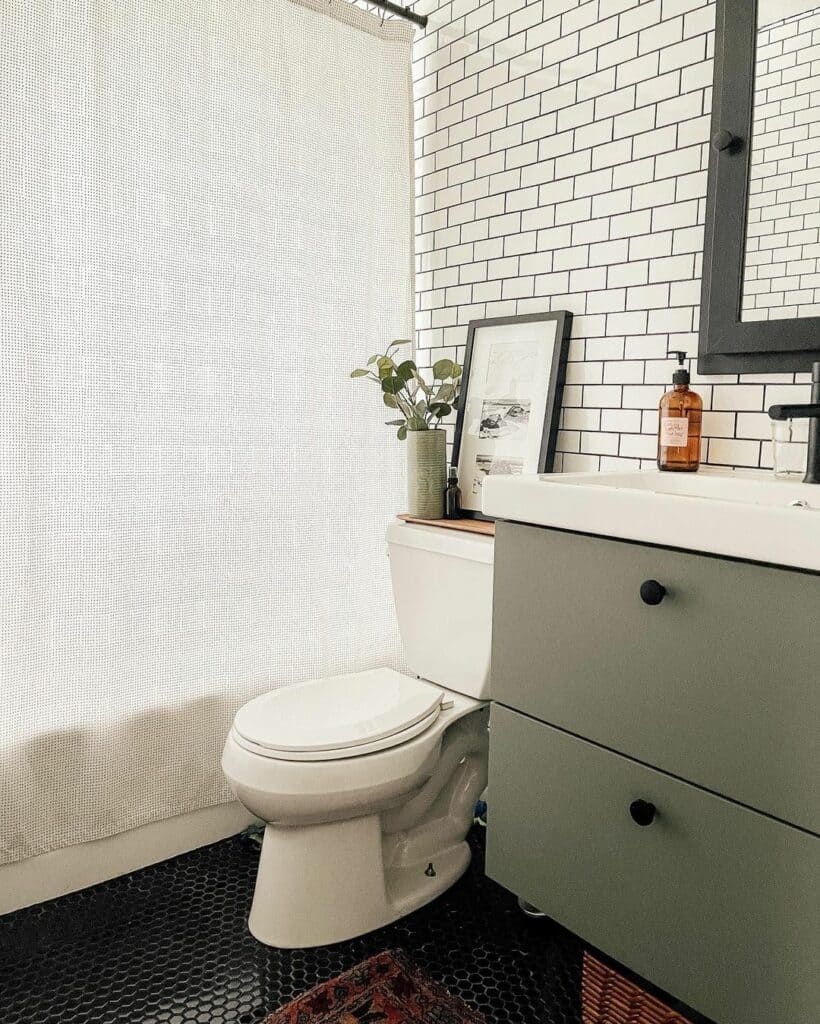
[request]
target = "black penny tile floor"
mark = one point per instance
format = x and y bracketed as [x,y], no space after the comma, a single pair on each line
[169,945]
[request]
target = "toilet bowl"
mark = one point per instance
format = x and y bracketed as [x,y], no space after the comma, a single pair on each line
[367,782]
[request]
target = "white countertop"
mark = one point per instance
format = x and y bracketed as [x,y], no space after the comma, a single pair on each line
[740,514]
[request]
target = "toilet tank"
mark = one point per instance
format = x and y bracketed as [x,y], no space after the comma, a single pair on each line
[443,592]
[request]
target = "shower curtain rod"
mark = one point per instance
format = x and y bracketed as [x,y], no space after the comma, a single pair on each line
[401,12]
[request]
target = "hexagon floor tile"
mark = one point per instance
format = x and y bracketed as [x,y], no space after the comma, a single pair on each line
[169,945]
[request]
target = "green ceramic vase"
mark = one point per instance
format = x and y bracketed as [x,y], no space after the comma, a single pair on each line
[426,473]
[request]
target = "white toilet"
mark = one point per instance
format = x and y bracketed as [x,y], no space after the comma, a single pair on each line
[367,782]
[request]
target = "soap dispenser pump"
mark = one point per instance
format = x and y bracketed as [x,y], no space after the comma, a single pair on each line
[680,413]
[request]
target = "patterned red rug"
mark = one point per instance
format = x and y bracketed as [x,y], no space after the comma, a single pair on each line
[386,989]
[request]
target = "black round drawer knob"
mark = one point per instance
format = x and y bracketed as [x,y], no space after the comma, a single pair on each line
[723,140]
[652,592]
[642,812]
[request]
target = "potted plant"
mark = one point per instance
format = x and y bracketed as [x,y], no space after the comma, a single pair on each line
[421,406]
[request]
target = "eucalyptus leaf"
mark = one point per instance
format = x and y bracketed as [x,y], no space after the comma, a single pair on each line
[390,401]
[401,434]
[407,369]
[442,369]
[386,366]
[404,407]
[394,423]
[359,373]
[399,341]
[373,359]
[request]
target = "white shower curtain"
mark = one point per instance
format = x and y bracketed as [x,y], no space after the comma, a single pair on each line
[205,224]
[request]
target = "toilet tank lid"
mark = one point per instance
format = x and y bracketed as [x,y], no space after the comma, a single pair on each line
[337,712]
[472,546]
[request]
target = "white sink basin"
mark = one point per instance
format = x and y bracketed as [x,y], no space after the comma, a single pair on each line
[750,515]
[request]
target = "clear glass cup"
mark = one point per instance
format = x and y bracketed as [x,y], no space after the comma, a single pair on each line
[790,439]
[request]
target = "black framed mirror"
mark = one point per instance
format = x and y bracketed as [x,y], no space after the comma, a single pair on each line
[760,301]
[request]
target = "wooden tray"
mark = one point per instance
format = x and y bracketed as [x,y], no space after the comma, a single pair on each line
[465,525]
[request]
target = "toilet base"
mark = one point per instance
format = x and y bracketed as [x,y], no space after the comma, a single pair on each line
[319,884]
[324,883]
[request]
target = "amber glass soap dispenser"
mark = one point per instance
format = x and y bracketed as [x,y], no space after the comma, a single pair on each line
[680,414]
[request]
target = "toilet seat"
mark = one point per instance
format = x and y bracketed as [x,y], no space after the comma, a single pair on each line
[338,717]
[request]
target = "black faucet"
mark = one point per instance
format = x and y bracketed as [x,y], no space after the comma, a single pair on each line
[801,412]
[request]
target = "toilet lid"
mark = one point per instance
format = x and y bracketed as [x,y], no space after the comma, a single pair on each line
[339,712]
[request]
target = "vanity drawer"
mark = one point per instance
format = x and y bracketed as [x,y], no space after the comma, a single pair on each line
[719,683]
[712,902]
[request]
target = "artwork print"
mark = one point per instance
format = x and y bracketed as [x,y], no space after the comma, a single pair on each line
[512,372]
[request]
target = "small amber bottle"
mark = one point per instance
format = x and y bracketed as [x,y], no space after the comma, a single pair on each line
[680,414]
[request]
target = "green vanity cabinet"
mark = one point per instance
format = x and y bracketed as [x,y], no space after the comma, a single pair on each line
[703,708]
[719,683]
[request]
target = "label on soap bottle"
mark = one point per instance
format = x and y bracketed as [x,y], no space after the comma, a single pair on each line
[674,431]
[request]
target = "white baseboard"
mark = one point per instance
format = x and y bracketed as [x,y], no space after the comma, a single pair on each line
[76,867]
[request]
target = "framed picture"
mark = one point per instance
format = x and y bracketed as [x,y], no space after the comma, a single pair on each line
[510,400]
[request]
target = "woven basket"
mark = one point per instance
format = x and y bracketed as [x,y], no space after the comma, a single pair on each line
[608,998]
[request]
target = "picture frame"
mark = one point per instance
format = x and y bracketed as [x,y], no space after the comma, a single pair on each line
[510,400]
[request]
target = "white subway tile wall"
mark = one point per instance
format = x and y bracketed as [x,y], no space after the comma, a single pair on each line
[782,272]
[561,164]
